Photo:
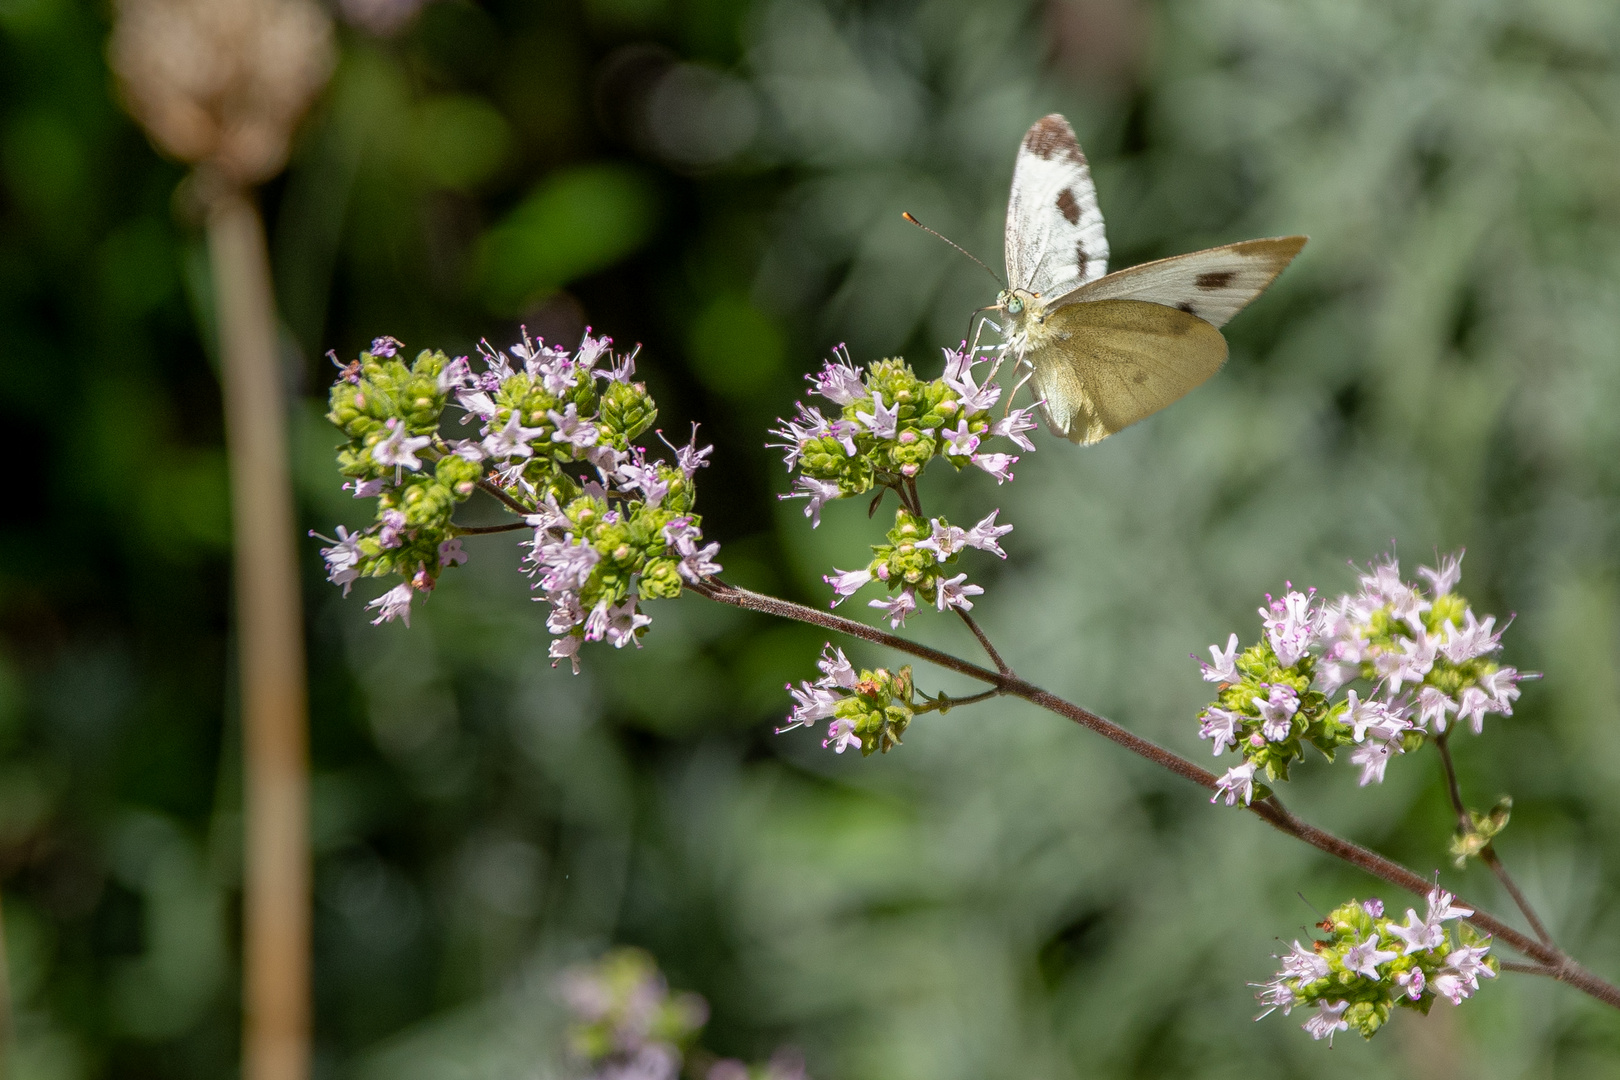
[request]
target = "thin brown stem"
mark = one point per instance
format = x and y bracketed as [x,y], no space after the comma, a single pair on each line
[1556,964]
[1494,861]
[1488,852]
[1442,743]
[511,503]
[479,530]
[995,657]
[1526,969]
[916,500]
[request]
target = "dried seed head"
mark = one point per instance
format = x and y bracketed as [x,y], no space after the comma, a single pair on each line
[222,82]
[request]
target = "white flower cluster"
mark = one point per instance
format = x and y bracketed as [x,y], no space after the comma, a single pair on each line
[556,444]
[865,710]
[1371,964]
[626,1023]
[1425,653]
[916,564]
[819,700]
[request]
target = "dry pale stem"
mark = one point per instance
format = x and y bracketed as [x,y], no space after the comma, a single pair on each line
[271,642]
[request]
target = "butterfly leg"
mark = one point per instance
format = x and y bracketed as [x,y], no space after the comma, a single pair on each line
[975,333]
[1026,371]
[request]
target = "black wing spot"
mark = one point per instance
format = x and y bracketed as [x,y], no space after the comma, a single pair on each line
[1081,260]
[1052,135]
[1188,308]
[1215,279]
[1068,206]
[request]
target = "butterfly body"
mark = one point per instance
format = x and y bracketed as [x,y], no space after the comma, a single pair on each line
[1106,350]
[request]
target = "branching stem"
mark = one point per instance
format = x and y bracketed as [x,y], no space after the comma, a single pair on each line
[995,657]
[511,503]
[942,703]
[1487,852]
[1552,961]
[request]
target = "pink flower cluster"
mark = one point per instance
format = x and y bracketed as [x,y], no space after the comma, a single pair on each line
[1425,653]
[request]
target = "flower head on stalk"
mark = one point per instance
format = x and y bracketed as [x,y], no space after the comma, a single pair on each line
[890,424]
[1422,661]
[1369,964]
[866,710]
[885,425]
[916,562]
[556,443]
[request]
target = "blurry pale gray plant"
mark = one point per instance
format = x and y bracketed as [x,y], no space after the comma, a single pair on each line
[383,18]
[556,447]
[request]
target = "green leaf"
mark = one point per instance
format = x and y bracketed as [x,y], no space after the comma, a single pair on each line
[459,140]
[573,223]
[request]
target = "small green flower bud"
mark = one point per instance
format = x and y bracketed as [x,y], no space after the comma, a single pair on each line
[627,411]
[661,579]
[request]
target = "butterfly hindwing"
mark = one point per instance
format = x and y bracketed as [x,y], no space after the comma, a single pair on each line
[1055,238]
[1105,365]
[1213,284]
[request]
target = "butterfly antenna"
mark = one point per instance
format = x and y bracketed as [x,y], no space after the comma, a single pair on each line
[954,244]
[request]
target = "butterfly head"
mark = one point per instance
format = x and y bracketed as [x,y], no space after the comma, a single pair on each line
[1020,304]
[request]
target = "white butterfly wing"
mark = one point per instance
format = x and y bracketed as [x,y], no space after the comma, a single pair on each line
[1104,366]
[1214,284]
[1055,238]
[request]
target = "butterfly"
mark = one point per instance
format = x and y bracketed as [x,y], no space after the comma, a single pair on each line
[1106,350]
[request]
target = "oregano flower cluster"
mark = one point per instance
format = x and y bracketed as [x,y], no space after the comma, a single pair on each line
[1368,964]
[626,1024]
[913,563]
[1422,657]
[624,1019]
[866,710]
[555,443]
[891,424]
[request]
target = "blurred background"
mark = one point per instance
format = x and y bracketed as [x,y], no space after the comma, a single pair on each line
[722,181]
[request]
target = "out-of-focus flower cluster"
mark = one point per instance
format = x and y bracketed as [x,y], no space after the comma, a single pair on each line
[1369,964]
[1423,656]
[627,1025]
[889,426]
[783,1065]
[555,443]
[867,710]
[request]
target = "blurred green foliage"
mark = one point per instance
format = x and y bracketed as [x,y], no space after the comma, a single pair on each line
[722,181]
[575,222]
